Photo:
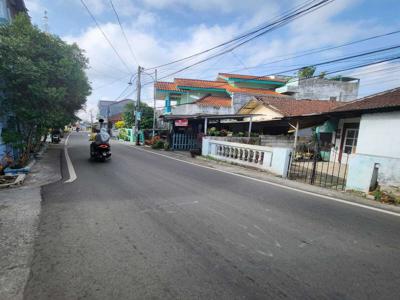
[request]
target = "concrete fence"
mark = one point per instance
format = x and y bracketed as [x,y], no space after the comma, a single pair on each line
[273,159]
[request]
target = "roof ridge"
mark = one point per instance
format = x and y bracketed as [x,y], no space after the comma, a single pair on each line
[376,94]
[197,80]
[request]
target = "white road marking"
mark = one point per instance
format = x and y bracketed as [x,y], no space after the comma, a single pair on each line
[277,244]
[276,184]
[71,170]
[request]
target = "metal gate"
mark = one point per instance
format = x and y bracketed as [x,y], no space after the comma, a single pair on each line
[184,141]
[311,164]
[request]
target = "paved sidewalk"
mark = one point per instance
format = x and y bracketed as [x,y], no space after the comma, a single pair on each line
[19,218]
[266,176]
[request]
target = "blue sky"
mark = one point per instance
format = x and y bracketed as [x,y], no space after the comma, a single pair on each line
[163,30]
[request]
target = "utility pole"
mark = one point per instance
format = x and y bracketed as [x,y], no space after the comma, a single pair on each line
[91,119]
[154,108]
[137,115]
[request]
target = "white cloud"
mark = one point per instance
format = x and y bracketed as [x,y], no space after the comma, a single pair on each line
[379,77]
[315,30]
[98,7]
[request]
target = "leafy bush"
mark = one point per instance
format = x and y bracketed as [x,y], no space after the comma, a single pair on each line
[166,146]
[158,145]
[123,134]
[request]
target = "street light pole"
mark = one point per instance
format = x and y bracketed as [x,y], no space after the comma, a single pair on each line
[154,106]
[137,115]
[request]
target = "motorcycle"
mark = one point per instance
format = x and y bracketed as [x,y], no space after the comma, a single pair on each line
[55,138]
[100,151]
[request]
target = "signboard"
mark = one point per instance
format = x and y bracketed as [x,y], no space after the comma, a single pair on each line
[182,123]
[138,115]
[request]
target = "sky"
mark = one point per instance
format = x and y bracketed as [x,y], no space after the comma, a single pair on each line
[160,31]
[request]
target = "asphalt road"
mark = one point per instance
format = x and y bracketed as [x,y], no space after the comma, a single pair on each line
[141,226]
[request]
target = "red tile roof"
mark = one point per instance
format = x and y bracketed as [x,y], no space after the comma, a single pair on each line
[290,107]
[251,91]
[387,99]
[166,86]
[210,84]
[199,83]
[215,101]
[251,77]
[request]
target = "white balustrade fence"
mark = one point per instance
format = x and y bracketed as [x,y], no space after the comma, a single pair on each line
[273,159]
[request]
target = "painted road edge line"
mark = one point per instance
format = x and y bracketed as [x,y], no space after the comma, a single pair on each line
[71,170]
[278,184]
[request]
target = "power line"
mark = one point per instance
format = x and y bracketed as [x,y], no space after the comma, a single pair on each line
[105,36]
[319,50]
[110,83]
[288,15]
[276,25]
[310,52]
[338,60]
[123,32]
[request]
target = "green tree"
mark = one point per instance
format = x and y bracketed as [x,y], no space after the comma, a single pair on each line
[306,72]
[128,115]
[43,81]
[147,116]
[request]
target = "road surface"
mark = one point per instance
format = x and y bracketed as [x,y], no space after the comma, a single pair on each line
[142,226]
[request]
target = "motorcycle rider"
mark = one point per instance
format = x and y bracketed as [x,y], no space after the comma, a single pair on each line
[102,137]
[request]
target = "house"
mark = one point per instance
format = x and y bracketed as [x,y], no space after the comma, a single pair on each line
[361,138]
[8,10]
[367,132]
[112,111]
[225,95]
[338,88]
[269,108]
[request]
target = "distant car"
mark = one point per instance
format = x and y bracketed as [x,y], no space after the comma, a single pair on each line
[77,129]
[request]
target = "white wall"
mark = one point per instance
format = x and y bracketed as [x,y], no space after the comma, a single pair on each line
[379,134]
[378,146]
[276,159]
[192,109]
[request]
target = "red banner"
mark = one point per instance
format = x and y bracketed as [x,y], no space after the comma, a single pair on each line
[182,123]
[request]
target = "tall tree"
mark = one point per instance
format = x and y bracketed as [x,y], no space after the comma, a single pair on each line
[306,72]
[43,81]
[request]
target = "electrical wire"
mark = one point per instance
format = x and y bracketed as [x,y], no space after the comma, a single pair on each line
[332,61]
[276,25]
[110,83]
[288,15]
[123,33]
[105,36]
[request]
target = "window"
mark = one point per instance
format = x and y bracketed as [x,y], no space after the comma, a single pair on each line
[350,142]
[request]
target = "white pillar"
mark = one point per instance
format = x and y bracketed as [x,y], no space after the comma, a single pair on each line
[205,126]
[250,124]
